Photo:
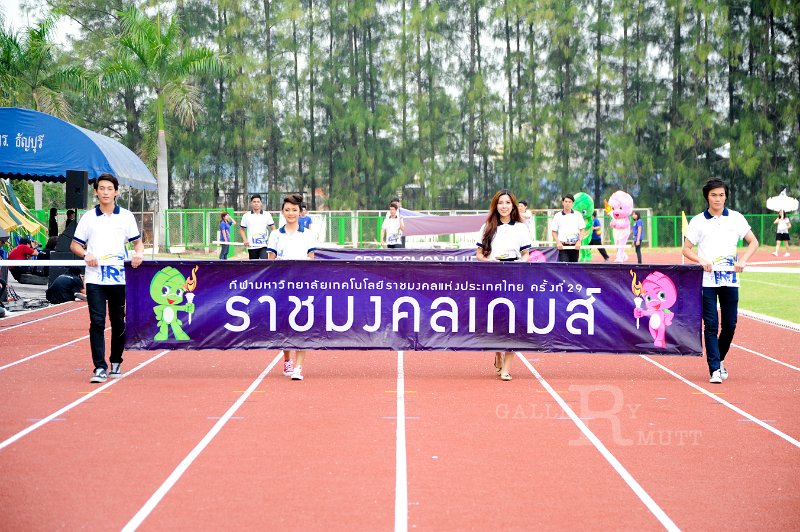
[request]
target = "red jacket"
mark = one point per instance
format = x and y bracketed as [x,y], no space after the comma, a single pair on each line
[21,252]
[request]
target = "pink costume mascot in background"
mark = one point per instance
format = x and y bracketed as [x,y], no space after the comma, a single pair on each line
[620,206]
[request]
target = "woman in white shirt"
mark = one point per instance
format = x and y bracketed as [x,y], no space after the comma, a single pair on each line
[504,237]
[291,242]
[782,234]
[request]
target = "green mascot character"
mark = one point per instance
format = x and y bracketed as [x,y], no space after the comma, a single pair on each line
[168,290]
[584,205]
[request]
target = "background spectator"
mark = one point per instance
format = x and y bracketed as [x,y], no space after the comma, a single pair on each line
[52,224]
[24,251]
[66,287]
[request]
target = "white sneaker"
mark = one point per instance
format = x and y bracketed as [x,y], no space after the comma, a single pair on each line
[787,254]
[723,372]
[775,253]
[297,374]
[716,378]
[288,368]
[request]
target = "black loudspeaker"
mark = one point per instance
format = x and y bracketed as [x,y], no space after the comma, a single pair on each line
[77,189]
[55,271]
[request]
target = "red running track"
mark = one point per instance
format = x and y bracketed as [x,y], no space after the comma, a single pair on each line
[198,440]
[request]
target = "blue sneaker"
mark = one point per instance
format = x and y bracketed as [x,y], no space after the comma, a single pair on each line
[99,375]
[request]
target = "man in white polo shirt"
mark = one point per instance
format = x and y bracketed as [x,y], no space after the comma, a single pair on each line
[255,228]
[716,233]
[568,229]
[102,234]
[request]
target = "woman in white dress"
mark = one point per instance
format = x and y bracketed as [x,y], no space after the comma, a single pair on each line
[504,237]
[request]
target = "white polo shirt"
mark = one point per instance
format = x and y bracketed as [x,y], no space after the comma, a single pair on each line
[257,226]
[106,237]
[392,228]
[509,241]
[716,238]
[291,246]
[567,226]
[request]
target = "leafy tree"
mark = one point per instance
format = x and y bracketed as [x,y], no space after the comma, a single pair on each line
[30,73]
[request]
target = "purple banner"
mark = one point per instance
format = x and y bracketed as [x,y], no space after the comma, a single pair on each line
[427,255]
[601,308]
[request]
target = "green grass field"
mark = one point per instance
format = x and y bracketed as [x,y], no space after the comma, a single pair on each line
[772,294]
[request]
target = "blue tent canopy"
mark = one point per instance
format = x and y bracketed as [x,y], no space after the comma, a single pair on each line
[39,147]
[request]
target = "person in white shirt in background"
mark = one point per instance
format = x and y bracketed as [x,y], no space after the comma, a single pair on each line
[503,238]
[292,242]
[103,234]
[392,228]
[568,229]
[526,216]
[782,233]
[716,233]
[255,228]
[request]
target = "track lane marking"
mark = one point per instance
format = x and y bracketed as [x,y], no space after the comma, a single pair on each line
[637,489]
[178,472]
[77,402]
[762,355]
[723,402]
[3,329]
[401,470]
[21,360]
[769,320]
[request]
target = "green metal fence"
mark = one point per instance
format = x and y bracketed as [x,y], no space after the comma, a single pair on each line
[199,229]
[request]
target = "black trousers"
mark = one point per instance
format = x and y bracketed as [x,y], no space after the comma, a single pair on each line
[602,251]
[568,255]
[98,297]
[258,253]
[717,333]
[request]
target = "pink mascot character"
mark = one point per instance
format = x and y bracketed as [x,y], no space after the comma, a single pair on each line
[659,295]
[620,206]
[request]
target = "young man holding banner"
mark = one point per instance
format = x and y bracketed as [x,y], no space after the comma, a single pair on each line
[716,233]
[568,230]
[102,234]
[255,229]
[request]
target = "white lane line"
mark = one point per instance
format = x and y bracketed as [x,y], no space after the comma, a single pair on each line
[723,402]
[3,329]
[401,474]
[21,360]
[777,322]
[640,492]
[737,346]
[176,474]
[785,287]
[73,404]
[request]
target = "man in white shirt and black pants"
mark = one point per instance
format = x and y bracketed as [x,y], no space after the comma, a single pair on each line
[568,229]
[716,233]
[255,228]
[103,234]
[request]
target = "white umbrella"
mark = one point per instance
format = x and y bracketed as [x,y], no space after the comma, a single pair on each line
[782,202]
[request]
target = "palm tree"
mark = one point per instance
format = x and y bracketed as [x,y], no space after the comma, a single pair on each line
[150,56]
[31,77]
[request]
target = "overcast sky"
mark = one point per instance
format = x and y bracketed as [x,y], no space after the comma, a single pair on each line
[20,19]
